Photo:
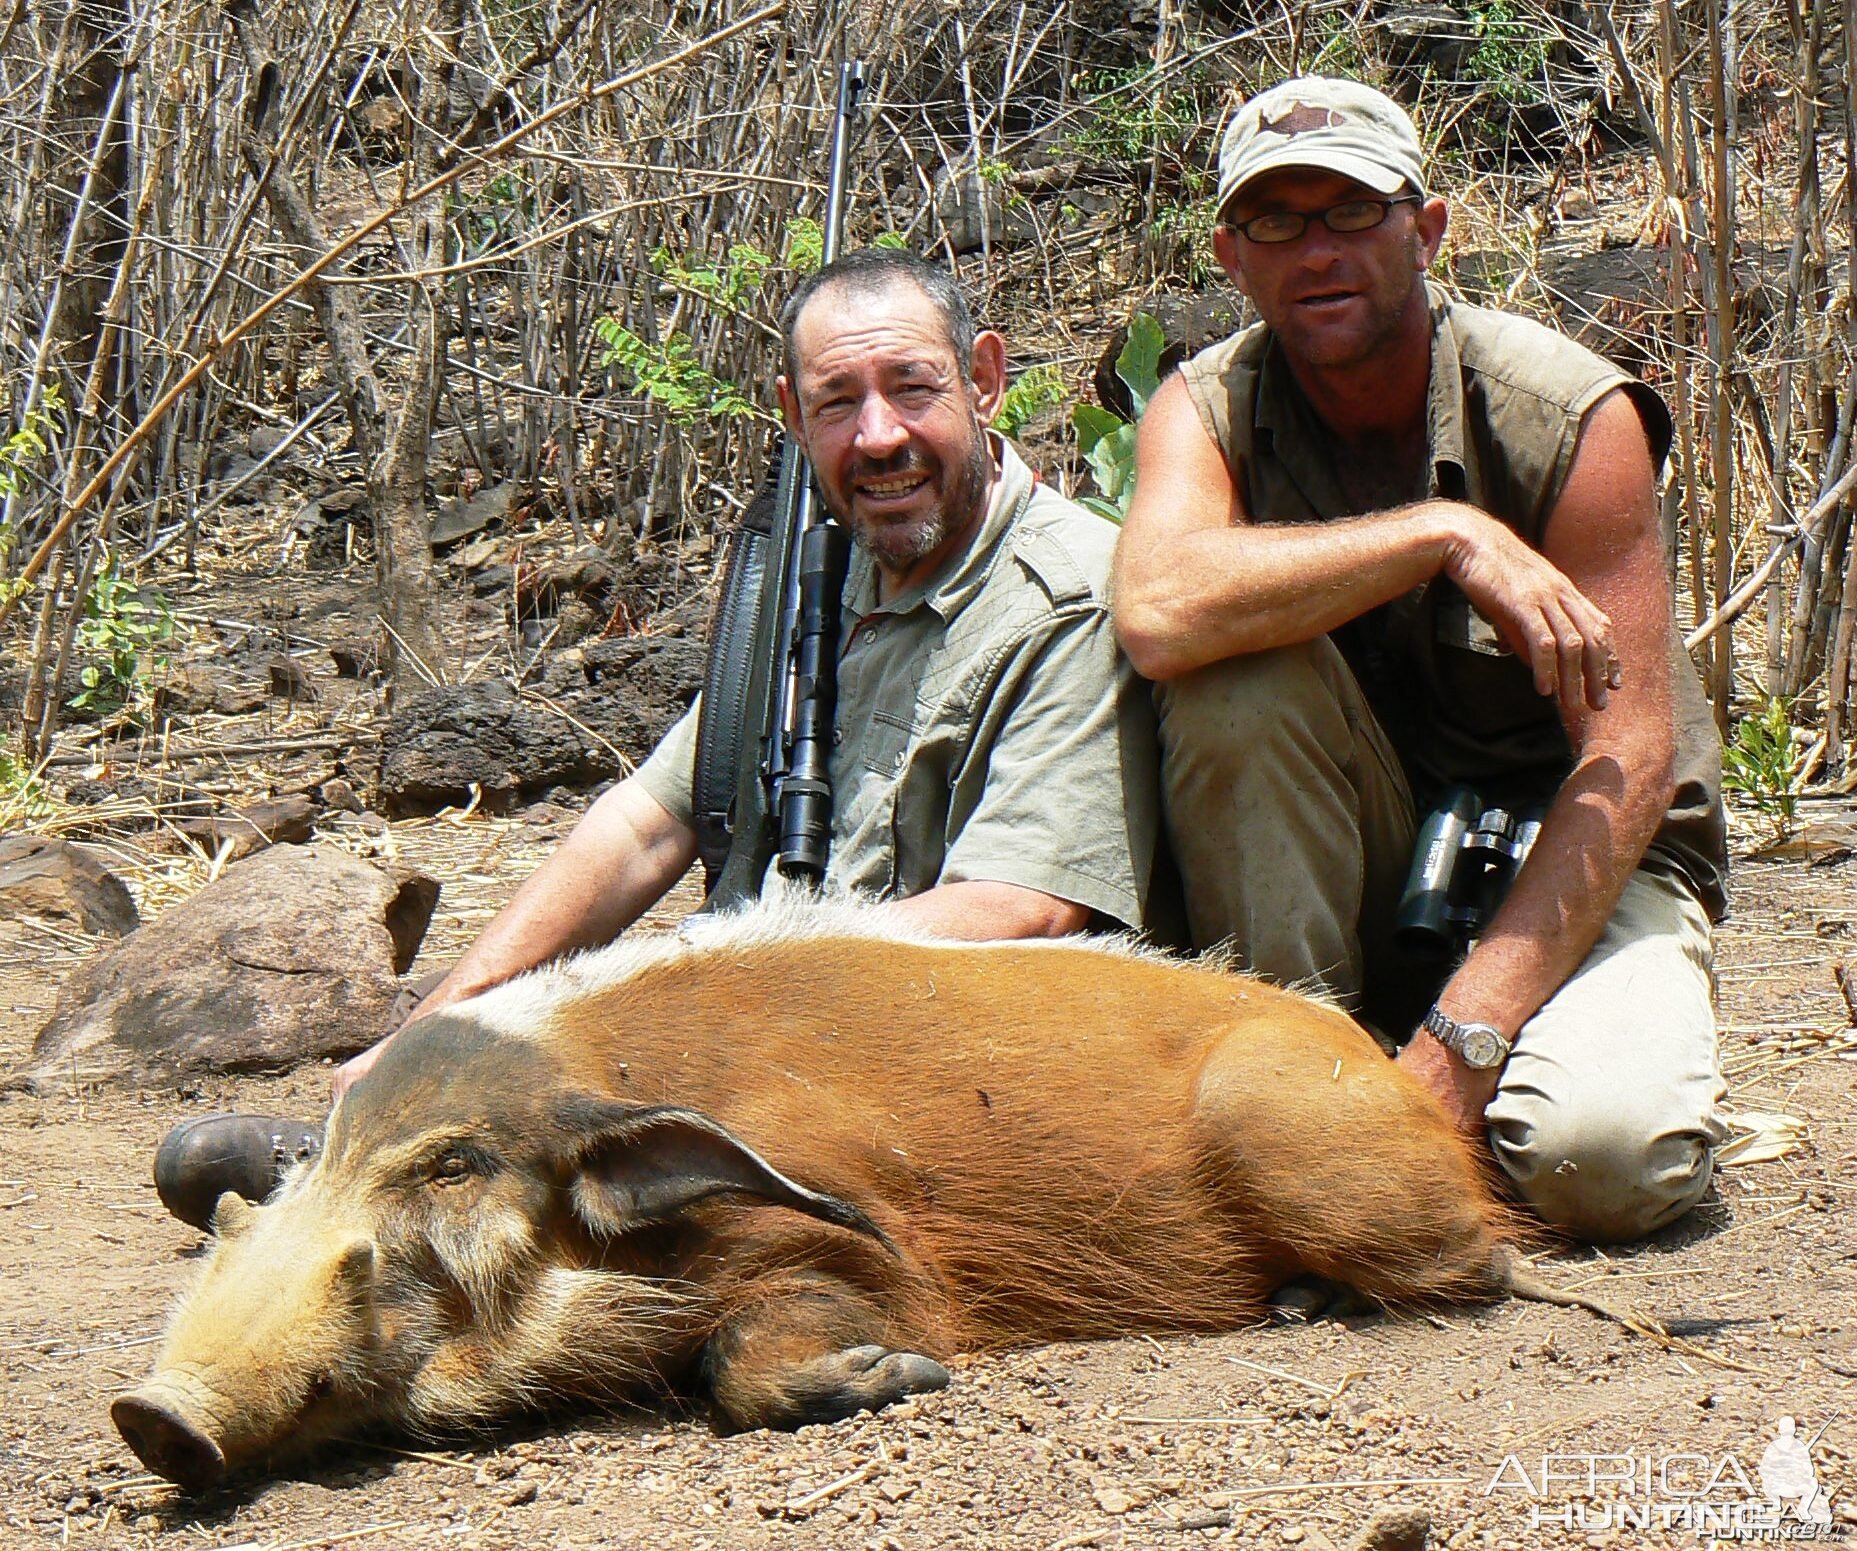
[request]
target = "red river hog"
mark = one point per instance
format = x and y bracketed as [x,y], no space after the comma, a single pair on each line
[790,1161]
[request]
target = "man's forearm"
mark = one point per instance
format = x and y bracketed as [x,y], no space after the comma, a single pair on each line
[1221,592]
[616,864]
[980,911]
[1591,842]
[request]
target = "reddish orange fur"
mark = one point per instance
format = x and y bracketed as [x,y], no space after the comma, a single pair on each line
[1062,1143]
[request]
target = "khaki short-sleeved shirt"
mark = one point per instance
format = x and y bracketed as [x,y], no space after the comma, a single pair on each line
[987,727]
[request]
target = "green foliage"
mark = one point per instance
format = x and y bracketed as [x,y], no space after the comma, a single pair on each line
[730,284]
[805,250]
[31,442]
[1136,110]
[23,797]
[1031,393]
[1765,766]
[1190,223]
[505,205]
[123,627]
[805,244]
[1106,440]
[1511,56]
[1337,46]
[669,374]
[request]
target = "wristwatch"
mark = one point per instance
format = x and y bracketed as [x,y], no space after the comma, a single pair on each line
[1478,1045]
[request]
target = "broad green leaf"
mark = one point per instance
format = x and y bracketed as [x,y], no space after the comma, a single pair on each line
[1139,364]
[1093,423]
[1112,461]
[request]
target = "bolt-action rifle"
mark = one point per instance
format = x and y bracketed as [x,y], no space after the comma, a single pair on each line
[763,790]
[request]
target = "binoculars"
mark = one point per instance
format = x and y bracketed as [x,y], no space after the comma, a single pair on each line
[1462,866]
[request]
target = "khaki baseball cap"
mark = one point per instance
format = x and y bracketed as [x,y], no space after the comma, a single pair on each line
[1318,121]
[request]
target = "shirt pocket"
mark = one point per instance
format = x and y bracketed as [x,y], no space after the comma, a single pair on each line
[883,744]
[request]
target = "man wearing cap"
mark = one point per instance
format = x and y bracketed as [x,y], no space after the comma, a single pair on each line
[1384,543]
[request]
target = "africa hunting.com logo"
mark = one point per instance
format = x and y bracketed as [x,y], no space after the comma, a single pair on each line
[1712,1495]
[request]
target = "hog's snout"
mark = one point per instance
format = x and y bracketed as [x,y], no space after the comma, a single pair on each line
[155,1424]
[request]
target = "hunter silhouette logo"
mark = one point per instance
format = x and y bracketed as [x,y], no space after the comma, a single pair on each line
[1787,1476]
[1300,118]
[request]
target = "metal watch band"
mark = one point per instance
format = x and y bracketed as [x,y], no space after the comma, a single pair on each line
[1479,1045]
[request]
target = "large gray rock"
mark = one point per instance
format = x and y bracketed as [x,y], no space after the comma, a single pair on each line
[288,957]
[591,705]
[59,881]
[440,744]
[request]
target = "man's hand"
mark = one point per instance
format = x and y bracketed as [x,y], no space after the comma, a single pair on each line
[1564,637]
[356,1067]
[1464,1091]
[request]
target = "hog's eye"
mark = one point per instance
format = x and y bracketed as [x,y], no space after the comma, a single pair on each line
[451,1168]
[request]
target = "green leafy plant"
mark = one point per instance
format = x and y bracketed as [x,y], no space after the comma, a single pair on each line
[505,205]
[1765,766]
[1511,56]
[1136,110]
[669,374]
[730,284]
[805,244]
[31,441]
[23,797]
[123,627]
[1030,394]
[1106,440]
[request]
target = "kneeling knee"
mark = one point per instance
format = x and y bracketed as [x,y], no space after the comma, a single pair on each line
[1607,1180]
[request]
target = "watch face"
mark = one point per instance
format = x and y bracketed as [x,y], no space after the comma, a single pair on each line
[1482,1045]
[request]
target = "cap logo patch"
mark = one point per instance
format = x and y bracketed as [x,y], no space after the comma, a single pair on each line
[1299,119]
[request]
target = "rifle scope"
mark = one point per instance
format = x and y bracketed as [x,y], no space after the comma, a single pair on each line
[815,587]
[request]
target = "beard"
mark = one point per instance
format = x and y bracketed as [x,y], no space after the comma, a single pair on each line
[899,543]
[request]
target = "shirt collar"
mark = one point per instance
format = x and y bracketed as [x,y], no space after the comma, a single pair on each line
[948,591]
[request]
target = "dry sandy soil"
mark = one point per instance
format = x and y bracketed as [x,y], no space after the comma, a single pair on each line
[1278,1435]
[1267,1436]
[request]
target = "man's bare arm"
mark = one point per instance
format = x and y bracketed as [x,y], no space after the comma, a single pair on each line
[623,856]
[978,910]
[1604,535]
[1197,580]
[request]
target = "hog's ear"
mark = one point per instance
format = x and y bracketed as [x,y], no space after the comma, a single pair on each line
[647,1165]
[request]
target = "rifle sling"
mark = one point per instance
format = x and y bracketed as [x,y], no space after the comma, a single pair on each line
[723,734]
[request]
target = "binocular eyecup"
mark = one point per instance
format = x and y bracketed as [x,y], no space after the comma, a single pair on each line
[1462,865]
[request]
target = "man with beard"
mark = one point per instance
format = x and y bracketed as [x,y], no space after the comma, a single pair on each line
[1383,544]
[994,766]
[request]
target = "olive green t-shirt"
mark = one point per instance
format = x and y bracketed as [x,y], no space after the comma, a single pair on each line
[987,727]
[1505,405]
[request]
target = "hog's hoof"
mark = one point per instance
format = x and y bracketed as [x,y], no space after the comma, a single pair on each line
[167,1442]
[1309,1298]
[841,1384]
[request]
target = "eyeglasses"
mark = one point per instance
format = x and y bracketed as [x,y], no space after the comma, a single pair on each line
[1353,215]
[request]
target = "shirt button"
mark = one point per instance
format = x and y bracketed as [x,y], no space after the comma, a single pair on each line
[870,634]
[899,762]
[838,736]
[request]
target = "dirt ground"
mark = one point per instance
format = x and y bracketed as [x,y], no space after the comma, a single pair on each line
[1277,1435]
[1267,1436]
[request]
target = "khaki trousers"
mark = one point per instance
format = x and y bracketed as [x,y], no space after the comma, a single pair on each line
[1293,827]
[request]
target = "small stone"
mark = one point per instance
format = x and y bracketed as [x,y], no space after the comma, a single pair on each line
[341,795]
[522,1492]
[291,681]
[1112,1499]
